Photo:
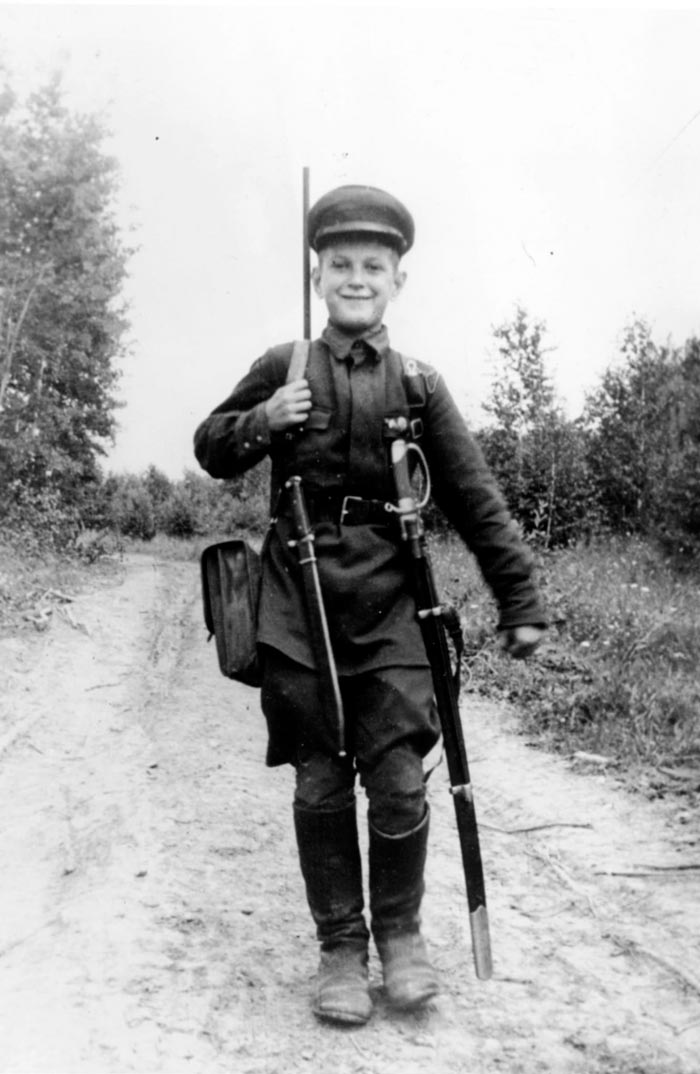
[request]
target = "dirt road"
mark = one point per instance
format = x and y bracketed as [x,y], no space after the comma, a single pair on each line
[152,913]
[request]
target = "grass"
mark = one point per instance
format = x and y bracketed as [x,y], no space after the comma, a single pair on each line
[163,547]
[617,675]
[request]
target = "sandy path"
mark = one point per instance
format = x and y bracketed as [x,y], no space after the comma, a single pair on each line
[152,915]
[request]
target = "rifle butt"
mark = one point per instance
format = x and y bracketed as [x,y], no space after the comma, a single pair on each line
[481,943]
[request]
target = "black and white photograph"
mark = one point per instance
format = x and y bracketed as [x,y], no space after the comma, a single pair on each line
[349,539]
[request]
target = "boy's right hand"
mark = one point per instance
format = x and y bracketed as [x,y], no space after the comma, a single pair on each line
[290,405]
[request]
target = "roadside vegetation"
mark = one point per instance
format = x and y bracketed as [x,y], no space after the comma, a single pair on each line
[616,679]
[609,501]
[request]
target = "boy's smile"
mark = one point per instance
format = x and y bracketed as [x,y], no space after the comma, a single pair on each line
[357,280]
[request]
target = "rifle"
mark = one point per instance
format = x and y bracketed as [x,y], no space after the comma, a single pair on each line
[433,620]
[306,258]
[319,634]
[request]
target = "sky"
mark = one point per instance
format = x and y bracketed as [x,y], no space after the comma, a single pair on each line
[550,158]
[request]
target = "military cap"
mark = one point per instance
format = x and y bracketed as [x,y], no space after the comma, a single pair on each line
[360,210]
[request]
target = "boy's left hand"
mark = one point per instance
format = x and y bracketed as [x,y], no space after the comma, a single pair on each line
[521,641]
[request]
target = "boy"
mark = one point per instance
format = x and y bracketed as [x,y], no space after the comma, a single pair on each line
[328,427]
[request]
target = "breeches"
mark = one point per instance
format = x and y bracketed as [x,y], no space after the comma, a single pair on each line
[391,724]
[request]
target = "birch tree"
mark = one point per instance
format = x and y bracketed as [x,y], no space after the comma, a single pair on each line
[62,267]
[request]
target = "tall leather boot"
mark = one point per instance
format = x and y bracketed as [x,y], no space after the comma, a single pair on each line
[396,866]
[330,861]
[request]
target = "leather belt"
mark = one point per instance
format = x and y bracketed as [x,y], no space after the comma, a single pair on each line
[347,510]
[356,511]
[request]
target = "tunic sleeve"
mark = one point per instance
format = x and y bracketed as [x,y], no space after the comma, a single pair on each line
[467,492]
[236,435]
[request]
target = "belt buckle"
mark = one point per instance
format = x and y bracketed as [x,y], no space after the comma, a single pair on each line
[344,509]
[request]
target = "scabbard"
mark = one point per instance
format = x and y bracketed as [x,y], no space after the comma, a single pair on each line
[317,621]
[431,619]
[434,638]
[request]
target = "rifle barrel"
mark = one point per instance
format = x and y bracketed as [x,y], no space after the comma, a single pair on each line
[306,255]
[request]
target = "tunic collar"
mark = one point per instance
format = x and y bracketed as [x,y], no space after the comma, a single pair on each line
[376,342]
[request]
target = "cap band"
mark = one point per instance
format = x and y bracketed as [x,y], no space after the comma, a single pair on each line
[351,226]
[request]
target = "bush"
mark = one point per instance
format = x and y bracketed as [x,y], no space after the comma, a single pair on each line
[644,437]
[93,545]
[129,508]
[678,524]
[546,481]
[139,506]
[38,520]
[178,515]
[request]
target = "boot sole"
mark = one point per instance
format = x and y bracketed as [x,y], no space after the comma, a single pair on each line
[412,1003]
[346,1018]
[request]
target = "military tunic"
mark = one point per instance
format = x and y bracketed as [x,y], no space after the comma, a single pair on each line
[342,451]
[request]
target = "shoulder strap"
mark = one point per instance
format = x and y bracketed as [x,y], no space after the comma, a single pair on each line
[408,389]
[396,395]
[297,363]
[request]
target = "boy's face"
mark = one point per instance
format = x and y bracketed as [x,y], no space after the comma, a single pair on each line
[357,280]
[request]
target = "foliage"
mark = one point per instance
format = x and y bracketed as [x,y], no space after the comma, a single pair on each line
[62,265]
[546,480]
[627,417]
[128,507]
[630,464]
[521,392]
[538,457]
[251,509]
[644,441]
[158,487]
[617,674]
[677,518]
[38,521]
[141,505]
